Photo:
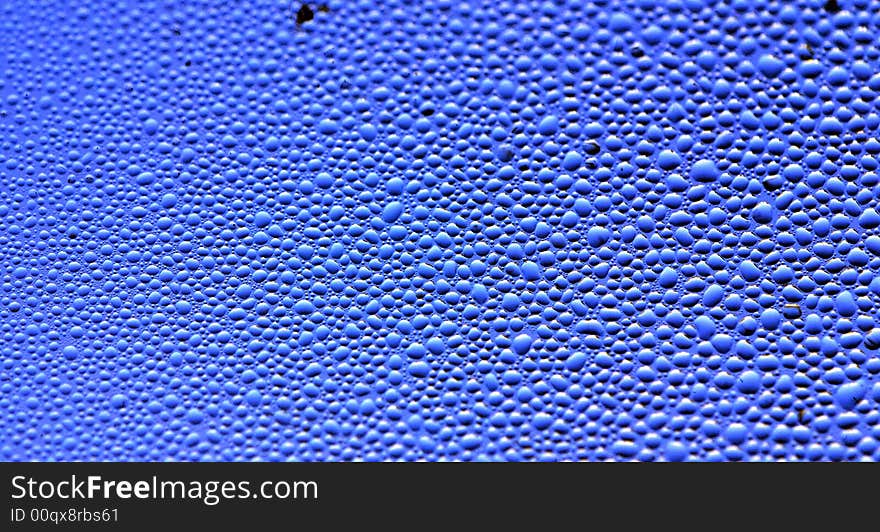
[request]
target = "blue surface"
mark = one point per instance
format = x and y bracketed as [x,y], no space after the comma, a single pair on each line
[444,230]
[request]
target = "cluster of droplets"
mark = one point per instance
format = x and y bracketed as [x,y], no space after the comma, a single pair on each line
[446,231]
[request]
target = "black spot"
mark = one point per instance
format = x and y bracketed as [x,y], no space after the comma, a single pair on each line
[323,8]
[772,183]
[427,111]
[637,51]
[791,311]
[188,63]
[831,6]
[176,31]
[592,147]
[505,154]
[304,14]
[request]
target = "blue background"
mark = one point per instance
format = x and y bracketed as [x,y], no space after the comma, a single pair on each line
[440,230]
